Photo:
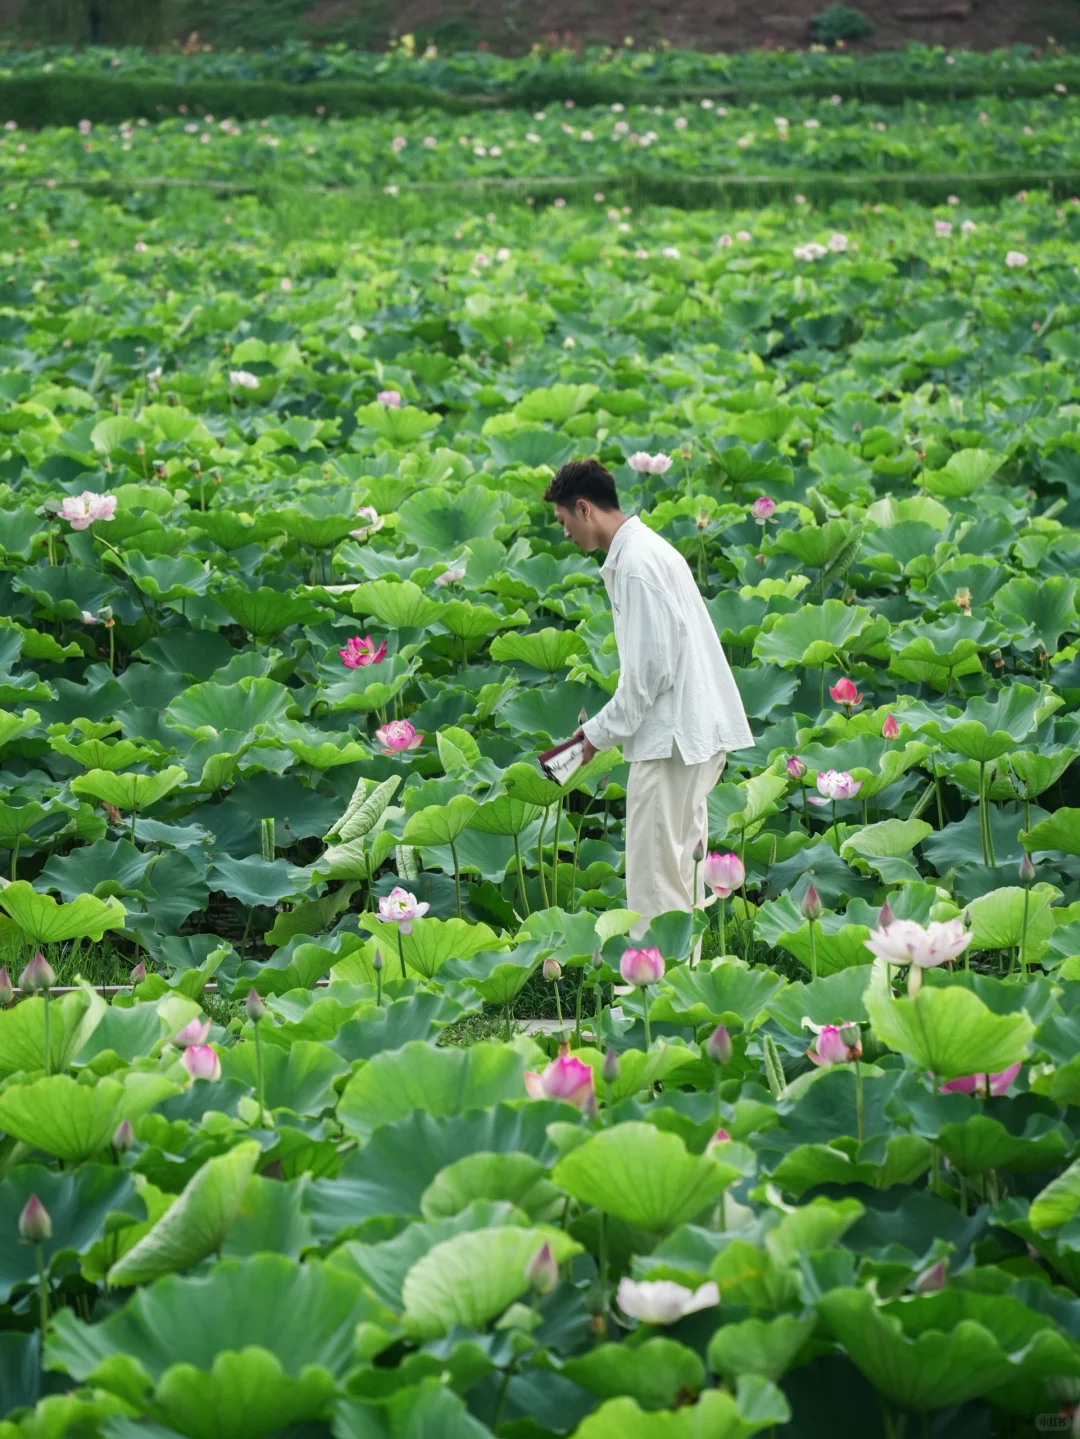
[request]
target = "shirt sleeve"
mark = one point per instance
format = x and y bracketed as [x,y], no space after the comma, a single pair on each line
[649,662]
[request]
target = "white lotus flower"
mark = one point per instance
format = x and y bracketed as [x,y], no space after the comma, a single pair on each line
[662,1301]
[905,942]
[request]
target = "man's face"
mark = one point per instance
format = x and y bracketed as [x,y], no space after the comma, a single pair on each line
[578,523]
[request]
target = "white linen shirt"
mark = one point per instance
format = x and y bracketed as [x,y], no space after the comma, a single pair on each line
[674,681]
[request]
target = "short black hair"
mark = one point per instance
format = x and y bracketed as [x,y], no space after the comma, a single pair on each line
[583,480]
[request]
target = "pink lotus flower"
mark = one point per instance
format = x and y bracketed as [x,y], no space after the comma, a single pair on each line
[542,1272]
[811,907]
[905,942]
[642,967]
[795,767]
[398,736]
[450,577]
[646,464]
[566,1078]
[845,693]
[1015,259]
[390,398]
[890,729]
[35,1225]
[723,873]
[985,1084]
[832,1047]
[835,785]
[374,520]
[763,508]
[359,653]
[401,908]
[193,1033]
[38,977]
[243,380]
[201,1062]
[82,510]
[398,143]
[662,1301]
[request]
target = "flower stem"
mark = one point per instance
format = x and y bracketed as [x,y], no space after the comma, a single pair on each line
[401,952]
[457,878]
[259,1074]
[555,856]
[521,876]
[859,1099]
[558,1003]
[721,907]
[540,858]
[43,1296]
[577,1008]
[378,989]
[48,1046]
[645,1007]
[1023,935]
[813,953]
[603,1272]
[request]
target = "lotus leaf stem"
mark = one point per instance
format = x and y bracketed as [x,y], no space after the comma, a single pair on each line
[401,952]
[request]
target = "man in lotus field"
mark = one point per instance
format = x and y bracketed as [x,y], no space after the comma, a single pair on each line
[676,712]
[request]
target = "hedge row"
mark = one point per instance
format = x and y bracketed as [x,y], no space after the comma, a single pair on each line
[34,101]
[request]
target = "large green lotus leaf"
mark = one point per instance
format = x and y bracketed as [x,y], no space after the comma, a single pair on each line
[13,725]
[504,815]
[766,1347]
[200,1345]
[1036,772]
[312,917]
[643,1176]
[875,762]
[816,545]
[420,1016]
[72,1020]
[756,1405]
[64,592]
[949,1031]
[885,847]
[372,688]
[838,944]
[549,649]
[239,707]
[398,604]
[429,1408]
[59,1416]
[431,943]
[987,729]
[964,473]
[981,1143]
[253,880]
[816,634]
[101,754]
[498,976]
[442,521]
[525,782]
[403,425]
[1060,832]
[832,999]
[729,993]
[901,1160]
[473,1277]
[44,921]
[938,654]
[74,1120]
[555,403]
[265,612]
[194,1226]
[168,577]
[440,823]
[1046,607]
[78,1203]
[997,918]
[516,1179]
[232,529]
[310,527]
[471,622]
[1058,1202]
[928,1351]
[299,1078]
[440,1081]
[657,1374]
[128,791]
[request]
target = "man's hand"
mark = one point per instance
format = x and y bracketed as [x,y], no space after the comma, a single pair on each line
[587,748]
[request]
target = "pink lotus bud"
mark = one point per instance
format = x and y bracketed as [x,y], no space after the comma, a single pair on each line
[611,1065]
[541,1271]
[123,1136]
[885,916]
[566,1078]
[762,509]
[7,991]
[1027,869]
[255,1006]
[890,729]
[194,1032]
[642,967]
[201,1062]
[811,905]
[38,976]
[830,1050]
[720,1137]
[844,692]
[35,1226]
[795,767]
[932,1279]
[552,970]
[718,1045]
[583,715]
[699,852]
[723,873]
[378,962]
[138,974]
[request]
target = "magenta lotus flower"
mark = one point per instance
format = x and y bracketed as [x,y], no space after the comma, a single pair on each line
[401,908]
[390,398]
[831,1046]
[795,767]
[985,1084]
[845,693]
[763,509]
[905,942]
[35,1226]
[890,729]
[566,1078]
[398,736]
[642,967]
[358,653]
[82,510]
[662,1301]
[201,1062]
[834,785]
[194,1033]
[723,873]
[646,464]
[243,380]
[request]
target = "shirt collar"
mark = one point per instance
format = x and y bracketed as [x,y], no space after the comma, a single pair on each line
[622,535]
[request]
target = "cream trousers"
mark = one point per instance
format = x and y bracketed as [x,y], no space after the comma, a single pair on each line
[666,816]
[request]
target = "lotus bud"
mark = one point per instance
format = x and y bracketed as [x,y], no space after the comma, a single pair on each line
[1027,869]
[851,1037]
[641,967]
[811,906]
[38,975]
[123,1136]
[890,729]
[932,1279]
[202,1062]
[583,715]
[611,1066]
[703,518]
[699,852]
[7,991]
[720,1137]
[552,971]
[378,962]
[718,1046]
[541,1271]
[255,1006]
[795,767]
[35,1226]
[138,974]
[603,784]
[885,916]
[597,960]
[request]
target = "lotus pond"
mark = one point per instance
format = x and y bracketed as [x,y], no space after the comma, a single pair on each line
[285,624]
